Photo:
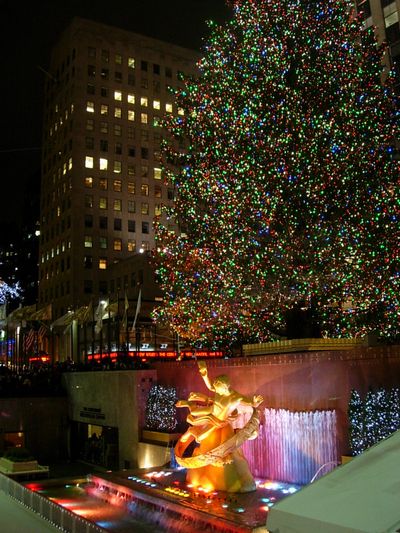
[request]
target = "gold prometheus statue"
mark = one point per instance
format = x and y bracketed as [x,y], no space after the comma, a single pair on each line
[217,462]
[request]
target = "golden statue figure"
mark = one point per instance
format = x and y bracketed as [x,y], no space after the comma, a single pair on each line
[217,463]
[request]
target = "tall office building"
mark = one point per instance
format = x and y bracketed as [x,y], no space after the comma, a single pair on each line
[106,91]
[384,15]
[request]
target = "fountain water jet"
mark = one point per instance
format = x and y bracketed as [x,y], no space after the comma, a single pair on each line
[292,446]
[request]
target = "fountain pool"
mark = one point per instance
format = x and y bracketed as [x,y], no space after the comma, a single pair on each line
[150,501]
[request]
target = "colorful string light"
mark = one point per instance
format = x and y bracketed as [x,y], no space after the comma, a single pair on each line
[287,192]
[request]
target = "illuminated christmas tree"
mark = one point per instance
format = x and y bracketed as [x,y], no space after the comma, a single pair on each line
[9,292]
[356,423]
[286,189]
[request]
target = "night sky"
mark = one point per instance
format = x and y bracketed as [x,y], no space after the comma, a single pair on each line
[27,33]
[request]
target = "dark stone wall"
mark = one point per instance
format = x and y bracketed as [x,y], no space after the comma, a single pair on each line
[43,421]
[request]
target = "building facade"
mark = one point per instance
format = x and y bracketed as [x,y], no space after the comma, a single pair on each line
[384,15]
[106,92]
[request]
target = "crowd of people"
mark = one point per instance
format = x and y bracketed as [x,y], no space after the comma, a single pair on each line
[46,379]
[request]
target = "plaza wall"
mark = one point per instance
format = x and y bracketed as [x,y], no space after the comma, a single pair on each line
[43,421]
[306,381]
[115,399]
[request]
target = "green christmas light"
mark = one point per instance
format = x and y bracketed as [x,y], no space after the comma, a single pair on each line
[287,194]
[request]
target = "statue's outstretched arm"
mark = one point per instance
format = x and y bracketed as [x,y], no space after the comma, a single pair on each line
[204,374]
[252,401]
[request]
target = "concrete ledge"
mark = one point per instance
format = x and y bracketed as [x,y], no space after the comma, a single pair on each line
[302,345]
[22,468]
[159,436]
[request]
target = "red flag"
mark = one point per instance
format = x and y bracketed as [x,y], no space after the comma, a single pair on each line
[29,339]
[42,331]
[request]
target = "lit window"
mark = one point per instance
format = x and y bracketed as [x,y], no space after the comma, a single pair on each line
[88,161]
[131,98]
[131,206]
[89,182]
[168,108]
[117,245]
[90,124]
[156,104]
[104,109]
[144,189]
[88,241]
[117,204]
[104,127]
[103,184]
[70,163]
[131,187]
[145,208]
[157,173]
[131,62]
[157,210]
[143,118]
[103,202]
[117,185]
[90,107]
[103,163]
[117,112]
[157,191]
[118,59]
[131,245]
[392,18]
[103,243]
[118,95]
[102,263]
[181,111]
[131,170]
[144,101]
[117,167]
[156,120]
[131,114]
[117,130]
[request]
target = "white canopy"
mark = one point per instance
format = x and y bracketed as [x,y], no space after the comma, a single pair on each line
[362,496]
